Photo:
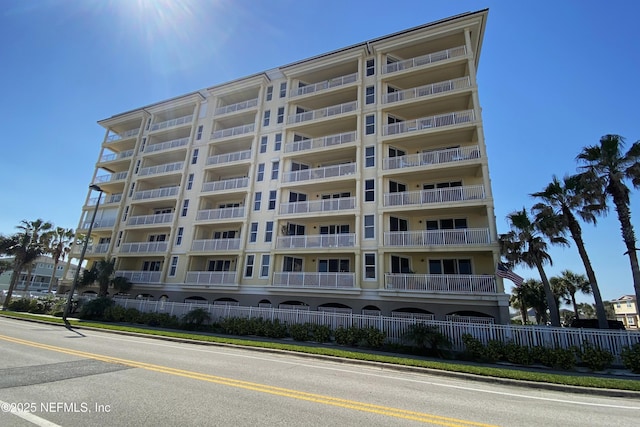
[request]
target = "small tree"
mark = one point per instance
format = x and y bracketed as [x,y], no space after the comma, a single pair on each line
[102,273]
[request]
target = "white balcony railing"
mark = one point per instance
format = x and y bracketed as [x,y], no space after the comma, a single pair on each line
[441,120]
[157,193]
[314,280]
[424,60]
[140,276]
[225,184]
[158,169]
[168,145]
[100,223]
[116,156]
[100,248]
[328,84]
[173,122]
[244,105]
[229,157]
[466,236]
[151,219]
[215,245]
[124,135]
[314,206]
[427,90]
[428,158]
[320,173]
[143,247]
[212,277]
[347,240]
[323,142]
[324,112]
[438,195]
[449,283]
[224,213]
[111,198]
[118,176]
[234,131]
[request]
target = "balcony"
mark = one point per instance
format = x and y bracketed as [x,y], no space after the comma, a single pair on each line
[212,278]
[111,198]
[329,84]
[99,223]
[440,120]
[224,213]
[168,145]
[314,280]
[112,177]
[116,156]
[160,169]
[171,123]
[98,249]
[325,241]
[319,173]
[215,245]
[466,236]
[447,283]
[240,106]
[430,158]
[324,142]
[151,219]
[419,61]
[225,184]
[229,157]
[147,277]
[427,90]
[437,195]
[234,131]
[156,194]
[143,247]
[124,135]
[334,110]
[316,206]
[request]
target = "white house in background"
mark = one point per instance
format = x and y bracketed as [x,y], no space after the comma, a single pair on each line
[40,274]
[626,310]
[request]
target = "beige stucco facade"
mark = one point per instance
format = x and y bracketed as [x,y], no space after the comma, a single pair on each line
[626,311]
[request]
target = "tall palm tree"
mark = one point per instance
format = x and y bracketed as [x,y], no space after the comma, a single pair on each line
[23,251]
[102,273]
[524,297]
[39,232]
[561,202]
[60,243]
[524,244]
[569,284]
[608,167]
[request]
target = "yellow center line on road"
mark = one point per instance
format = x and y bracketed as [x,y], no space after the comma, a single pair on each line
[262,388]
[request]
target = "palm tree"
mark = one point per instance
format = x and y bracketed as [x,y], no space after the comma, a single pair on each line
[524,245]
[607,167]
[59,246]
[24,251]
[39,232]
[102,272]
[569,284]
[556,214]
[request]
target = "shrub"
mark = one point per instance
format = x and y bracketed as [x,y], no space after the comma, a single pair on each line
[595,358]
[196,318]
[275,329]
[427,338]
[474,348]
[493,351]
[95,308]
[557,358]
[132,315]
[301,332]
[631,358]
[115,313]
[374,338]
[24,304]
[321,333]
[518,354]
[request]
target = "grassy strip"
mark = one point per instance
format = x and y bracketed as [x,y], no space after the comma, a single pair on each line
[488,371]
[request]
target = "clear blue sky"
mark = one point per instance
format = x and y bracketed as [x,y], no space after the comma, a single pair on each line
[554,77]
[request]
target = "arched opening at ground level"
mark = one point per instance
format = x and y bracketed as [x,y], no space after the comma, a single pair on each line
[196,299]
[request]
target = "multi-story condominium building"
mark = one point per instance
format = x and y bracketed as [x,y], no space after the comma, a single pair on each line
[626,311]
[353,180]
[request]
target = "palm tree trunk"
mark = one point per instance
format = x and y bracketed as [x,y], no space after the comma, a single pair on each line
[17,268]
[53,275]
[27,281]
[575,306]
[551,301]
[523,312]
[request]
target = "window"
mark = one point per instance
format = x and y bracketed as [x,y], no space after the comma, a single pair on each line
[369,266]
[199,134]
[151,266]
[398,224]
[370,97]
[253,236]
[137,168]
[283,89]
[267,118]
[144,143]
[219,265]
[369,227]
[185,207]
[333,265]
[268,233]
[264,266]
[281,115]
[194,158]
[272,199]
[291,264]
[370,124]
[119,239]
[334,229]
[450,266]
[369,190]
[257,200]
[275,168]
[133,185]
[263,144]
[371,67]
[179,236]
[397,187]
[370,156]
[400,265]
[125,214]
[278,142]
[174,266]
[260,176]
[447,224]
[269,93]
[248,271]
[190,182]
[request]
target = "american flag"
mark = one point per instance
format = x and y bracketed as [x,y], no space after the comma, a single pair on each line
[504,272]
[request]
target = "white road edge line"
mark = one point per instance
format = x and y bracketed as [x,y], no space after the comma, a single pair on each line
[28,416]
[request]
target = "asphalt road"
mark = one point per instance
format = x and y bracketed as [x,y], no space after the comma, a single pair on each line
[51,376]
